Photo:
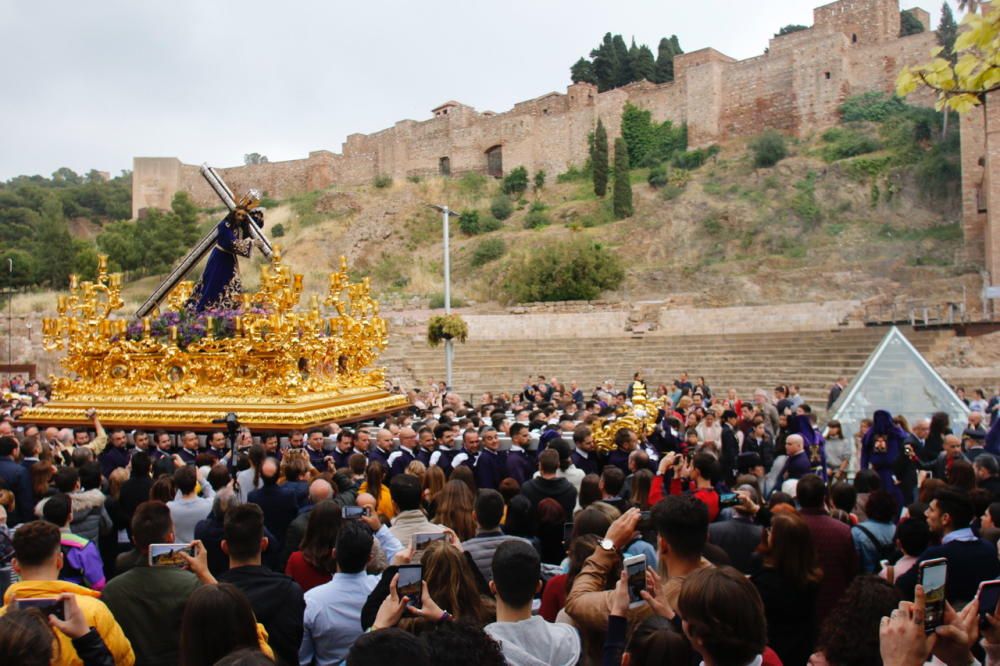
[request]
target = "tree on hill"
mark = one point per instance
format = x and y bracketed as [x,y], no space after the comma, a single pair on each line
[663,71]
[254,158]
[790,28]
[612,64]
[622,202]
[599,160]
[909,24]
[947,33]
[582,71]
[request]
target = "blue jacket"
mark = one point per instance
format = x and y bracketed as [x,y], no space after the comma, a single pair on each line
[490,468]
[519,466]
[18,481]
[279,506]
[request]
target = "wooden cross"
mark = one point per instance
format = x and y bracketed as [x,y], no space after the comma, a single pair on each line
[240,209]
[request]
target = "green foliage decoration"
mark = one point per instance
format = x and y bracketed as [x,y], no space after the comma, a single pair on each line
[446,327]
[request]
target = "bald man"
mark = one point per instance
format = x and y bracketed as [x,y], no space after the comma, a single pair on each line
[320,490]
[399,460]
[797,464]
[382,449]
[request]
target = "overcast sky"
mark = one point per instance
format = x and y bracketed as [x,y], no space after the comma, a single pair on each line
[93,84]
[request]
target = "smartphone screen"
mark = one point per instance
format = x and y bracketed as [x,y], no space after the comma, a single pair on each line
[567,534]
[46,605]
[989,596]
[933,574]
[635,567]
[728,499]
[166,554]
[352,512]
[421,541]
[409,583]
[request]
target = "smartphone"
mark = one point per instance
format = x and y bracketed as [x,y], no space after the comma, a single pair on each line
[989,596]
[411,577]
[352,512]
[635,567]
[644,516]
[933,576]
[728,499]
[567,534]
[46,605]
[166,554]
[421,541]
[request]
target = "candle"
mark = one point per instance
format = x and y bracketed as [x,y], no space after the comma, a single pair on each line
[102,263]
[73,281]
[146,326]
[116,279]
[61,307]
[209,325]
[239,325]
[173,334]
[298,282]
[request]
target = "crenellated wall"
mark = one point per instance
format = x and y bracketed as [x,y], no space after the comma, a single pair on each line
[795,86]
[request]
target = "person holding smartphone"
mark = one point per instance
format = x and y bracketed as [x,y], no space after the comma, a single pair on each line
[970,559]
[38,559]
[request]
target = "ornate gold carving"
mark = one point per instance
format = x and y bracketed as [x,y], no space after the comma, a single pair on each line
[270,354]
[640,418]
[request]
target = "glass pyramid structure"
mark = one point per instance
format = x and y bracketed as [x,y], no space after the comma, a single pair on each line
[898,379]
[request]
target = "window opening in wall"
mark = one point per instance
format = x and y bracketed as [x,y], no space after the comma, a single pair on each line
[980,198]
[494,162]
[854,38]
[827,74]
[444,166]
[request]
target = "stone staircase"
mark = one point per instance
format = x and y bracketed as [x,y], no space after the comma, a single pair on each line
[743,361]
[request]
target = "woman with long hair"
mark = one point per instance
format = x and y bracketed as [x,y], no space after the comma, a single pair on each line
[375,486]
[249,479]
[464,474]
[455,504]
[788,582]
[451,583]
[314,564]
[218,620]
[839,451]
[642,483]
[41,479]
[434,481]
[162,490]
[934,444]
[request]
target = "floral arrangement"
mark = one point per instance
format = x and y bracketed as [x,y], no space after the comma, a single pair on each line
[191,326]
[446,327]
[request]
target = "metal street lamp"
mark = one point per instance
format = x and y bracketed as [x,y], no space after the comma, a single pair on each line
[449,350]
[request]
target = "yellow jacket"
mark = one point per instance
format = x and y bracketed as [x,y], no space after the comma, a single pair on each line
[97,614]
[384,505]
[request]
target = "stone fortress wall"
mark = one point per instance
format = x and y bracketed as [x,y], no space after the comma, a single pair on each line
[795,86]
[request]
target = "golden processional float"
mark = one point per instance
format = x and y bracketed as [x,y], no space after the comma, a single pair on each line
[275,365]
[639,417]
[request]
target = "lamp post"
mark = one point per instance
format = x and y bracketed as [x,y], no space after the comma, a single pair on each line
[10,316]
[449,350]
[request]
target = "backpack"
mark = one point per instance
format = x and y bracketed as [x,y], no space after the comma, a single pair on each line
[884,551]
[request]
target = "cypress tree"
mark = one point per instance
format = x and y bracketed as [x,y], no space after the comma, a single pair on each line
[622,202]
[599,160]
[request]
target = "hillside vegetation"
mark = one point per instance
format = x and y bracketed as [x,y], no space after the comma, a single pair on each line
[868,208]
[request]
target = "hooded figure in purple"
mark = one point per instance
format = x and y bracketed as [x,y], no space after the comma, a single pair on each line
[880,448]
[814,444]
[993,437]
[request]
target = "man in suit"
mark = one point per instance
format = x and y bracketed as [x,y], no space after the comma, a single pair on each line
[730,449]
[400,459]
[277,502]
[952,451]
[835,391]
[585,456]
[970,559]
[519,465]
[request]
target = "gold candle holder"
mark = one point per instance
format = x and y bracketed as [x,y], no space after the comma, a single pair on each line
[74,282]
[173,334]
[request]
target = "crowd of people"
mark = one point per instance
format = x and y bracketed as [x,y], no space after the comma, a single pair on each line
[734,533]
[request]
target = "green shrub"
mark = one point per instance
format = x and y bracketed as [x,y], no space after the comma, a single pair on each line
[382,181]
[516,182]
[468,222]
[692,159]
[574,173]
[539,180]
[278,230]
[414,178]
[488,249]
[804,202]
[622,193]
[536,218]
[768,149]
[711,224]
[501,207]
[873,106]
[657,177]
[268,202]
[573,270]
[842,142]
[437,301]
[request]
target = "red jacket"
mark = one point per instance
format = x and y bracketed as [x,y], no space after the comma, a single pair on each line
[708,496]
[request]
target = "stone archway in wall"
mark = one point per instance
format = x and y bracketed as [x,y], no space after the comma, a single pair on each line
[494,161]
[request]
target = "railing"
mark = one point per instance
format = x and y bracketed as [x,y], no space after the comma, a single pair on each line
[917,314]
